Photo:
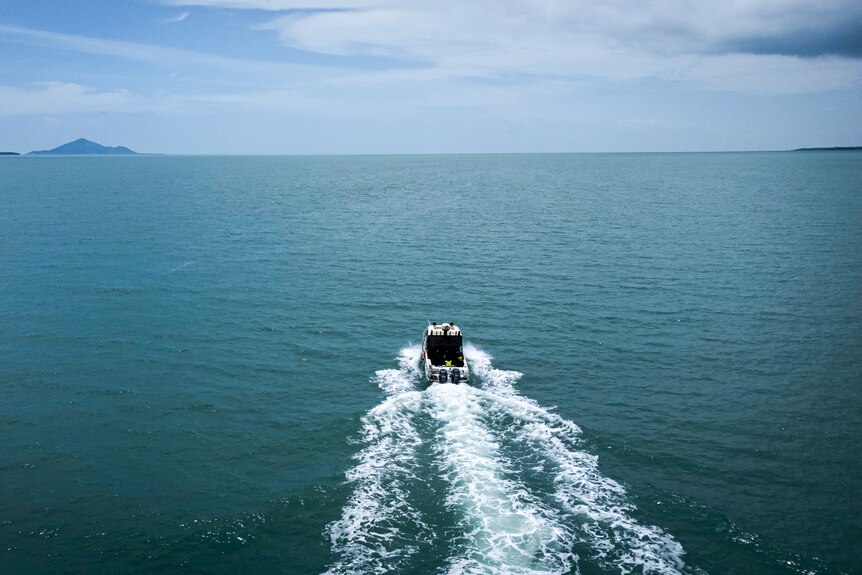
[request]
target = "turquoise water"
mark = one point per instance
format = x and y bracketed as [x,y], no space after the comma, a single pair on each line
[208,364]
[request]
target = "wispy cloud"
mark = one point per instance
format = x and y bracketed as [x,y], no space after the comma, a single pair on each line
[149,53]
[277,5]
[178,18]
[62,98]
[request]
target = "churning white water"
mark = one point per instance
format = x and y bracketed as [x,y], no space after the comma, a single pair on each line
[487,444]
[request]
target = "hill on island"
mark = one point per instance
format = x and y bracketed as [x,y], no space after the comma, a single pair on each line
[82,146]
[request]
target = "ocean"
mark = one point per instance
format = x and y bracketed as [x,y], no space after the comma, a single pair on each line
[209,364]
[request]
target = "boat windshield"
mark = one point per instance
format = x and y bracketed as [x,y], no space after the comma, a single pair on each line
[445,348]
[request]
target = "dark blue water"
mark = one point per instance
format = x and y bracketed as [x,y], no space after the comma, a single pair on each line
[207,364]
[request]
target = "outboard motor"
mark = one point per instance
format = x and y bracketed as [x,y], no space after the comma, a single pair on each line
[444,376]
[456,375]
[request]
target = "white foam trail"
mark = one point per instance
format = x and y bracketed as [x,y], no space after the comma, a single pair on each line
[506,529]
[599,504]
[617,538]
[495,380]
[509,526]
[371,535]
[395,381]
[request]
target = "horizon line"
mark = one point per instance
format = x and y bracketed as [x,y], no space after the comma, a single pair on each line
[360,154]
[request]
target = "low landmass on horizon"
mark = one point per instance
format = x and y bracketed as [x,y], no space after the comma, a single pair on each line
[832,149]
[84,146]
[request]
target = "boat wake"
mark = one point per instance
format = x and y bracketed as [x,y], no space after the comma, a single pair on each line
[520,494]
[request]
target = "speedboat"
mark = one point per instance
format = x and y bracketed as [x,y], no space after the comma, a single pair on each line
[443,354]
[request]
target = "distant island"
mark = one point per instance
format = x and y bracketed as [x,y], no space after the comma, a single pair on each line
[82,146]
[835,149]
[9,154]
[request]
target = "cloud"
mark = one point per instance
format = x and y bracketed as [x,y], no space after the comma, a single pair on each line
[790,27]
[149,53]
[841,40]
[677,41]
[277,5]
[178,18]
[62,98]
[805,28]
[614,40]
[775,74]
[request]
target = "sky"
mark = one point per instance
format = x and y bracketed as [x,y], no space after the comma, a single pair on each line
[443,76]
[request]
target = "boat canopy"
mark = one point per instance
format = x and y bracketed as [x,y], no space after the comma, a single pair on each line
[445,348]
